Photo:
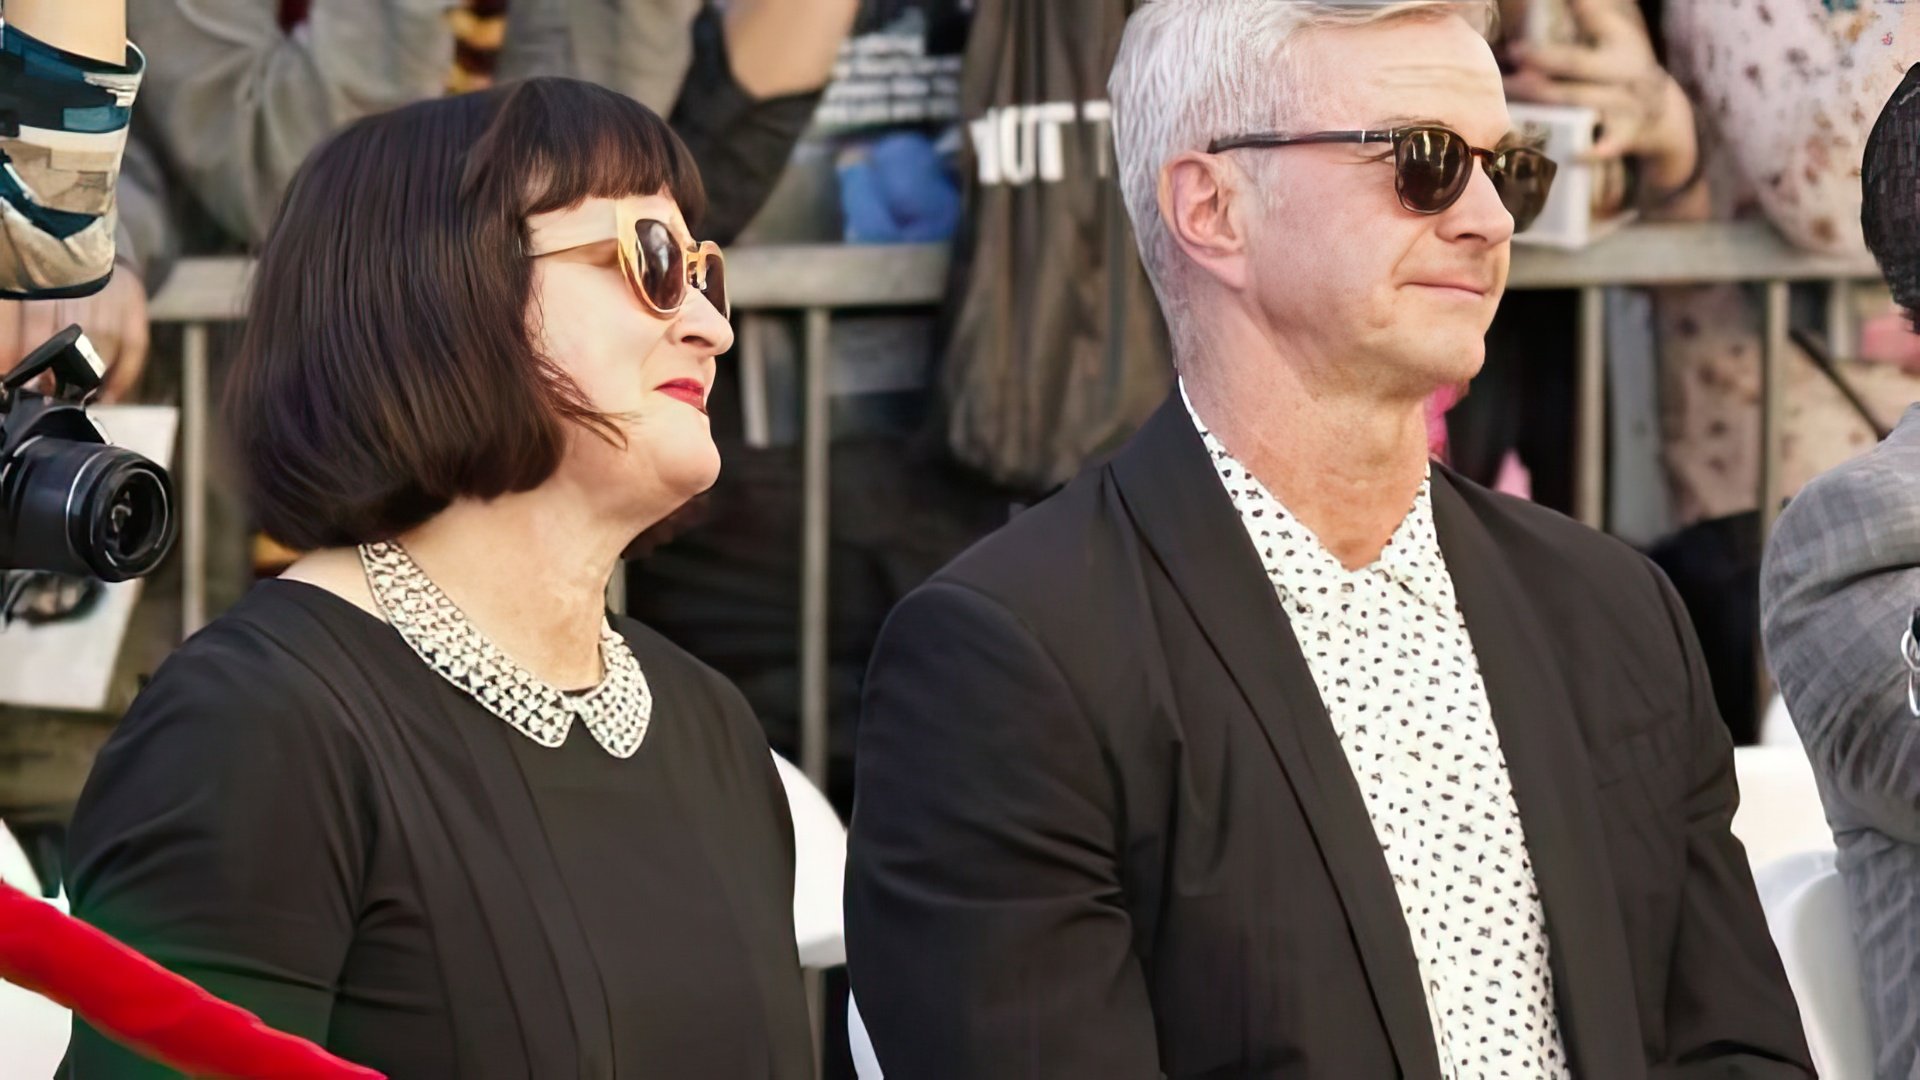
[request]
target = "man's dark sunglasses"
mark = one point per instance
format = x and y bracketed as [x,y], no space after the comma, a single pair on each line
[1432,166]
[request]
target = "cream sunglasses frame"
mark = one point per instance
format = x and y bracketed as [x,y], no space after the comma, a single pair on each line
[600,220]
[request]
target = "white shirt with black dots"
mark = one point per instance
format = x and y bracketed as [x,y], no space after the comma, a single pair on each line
[1389,652]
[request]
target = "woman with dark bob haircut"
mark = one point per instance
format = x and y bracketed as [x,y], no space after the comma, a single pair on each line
[419,799]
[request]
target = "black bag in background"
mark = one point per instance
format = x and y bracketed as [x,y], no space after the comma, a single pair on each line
[1715,567]
[1056,351]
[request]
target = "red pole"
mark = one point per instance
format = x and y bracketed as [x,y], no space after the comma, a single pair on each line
[135,1001]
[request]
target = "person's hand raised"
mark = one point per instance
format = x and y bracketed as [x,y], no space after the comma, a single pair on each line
[114,319]
[1614,72]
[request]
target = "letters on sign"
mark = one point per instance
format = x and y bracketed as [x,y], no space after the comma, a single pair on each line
[1017,145]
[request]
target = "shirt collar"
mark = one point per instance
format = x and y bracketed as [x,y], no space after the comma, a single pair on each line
[1412,557]
[617,711]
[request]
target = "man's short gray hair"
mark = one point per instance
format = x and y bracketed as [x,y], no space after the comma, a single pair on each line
[1190,71]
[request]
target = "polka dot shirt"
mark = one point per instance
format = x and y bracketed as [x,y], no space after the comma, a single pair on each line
[1389,652]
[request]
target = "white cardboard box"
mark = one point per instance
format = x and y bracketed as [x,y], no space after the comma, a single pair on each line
[1587,201]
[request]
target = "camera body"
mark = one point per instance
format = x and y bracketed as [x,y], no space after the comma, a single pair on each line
[70,502]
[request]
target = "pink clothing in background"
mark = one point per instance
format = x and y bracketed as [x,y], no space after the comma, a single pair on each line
[1513,479]
[1889,339]
[1443,399]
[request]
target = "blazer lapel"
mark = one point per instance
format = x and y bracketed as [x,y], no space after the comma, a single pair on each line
[1552,784]
[1173,496]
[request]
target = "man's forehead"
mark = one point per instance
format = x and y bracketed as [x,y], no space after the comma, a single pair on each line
[1395,94]
[1447,75]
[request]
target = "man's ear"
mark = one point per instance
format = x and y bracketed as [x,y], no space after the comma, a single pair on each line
[1204,204]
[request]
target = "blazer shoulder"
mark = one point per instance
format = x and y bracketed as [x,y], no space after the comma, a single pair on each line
[1533,519]
[1863,512]
[1837,580]
[1888,475]
[1052,556]
[1558,553]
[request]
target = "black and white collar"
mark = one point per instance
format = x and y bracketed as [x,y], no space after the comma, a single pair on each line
[616,711]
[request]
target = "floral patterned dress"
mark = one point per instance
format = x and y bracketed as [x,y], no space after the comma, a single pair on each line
[1785,92]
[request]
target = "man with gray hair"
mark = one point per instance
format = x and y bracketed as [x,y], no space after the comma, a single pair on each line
[1268,748]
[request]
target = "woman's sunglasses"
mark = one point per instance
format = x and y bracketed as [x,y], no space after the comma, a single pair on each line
[661,271]
[1432,166]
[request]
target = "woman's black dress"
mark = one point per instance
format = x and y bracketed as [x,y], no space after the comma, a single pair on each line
[303,817]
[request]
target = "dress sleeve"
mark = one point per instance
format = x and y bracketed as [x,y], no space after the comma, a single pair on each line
[236,102]
[145,237]
[222,833]
[1793,86]
[741,143]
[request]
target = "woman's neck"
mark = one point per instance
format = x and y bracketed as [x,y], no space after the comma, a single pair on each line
[531,574]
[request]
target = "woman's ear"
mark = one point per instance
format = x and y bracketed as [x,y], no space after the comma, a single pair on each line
[1203,203]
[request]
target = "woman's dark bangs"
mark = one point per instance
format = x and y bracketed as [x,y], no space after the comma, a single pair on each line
[559,141]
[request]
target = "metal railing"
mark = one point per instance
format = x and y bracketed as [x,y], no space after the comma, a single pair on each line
[817,280]
[1689,254]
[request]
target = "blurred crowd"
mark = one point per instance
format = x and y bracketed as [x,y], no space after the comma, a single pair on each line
[979,122]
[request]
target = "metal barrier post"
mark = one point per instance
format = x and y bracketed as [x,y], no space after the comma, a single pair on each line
[1590,452]
[1773,386]
[193,457]
[813,548]
[1840,318]
[816,493]
[756,422]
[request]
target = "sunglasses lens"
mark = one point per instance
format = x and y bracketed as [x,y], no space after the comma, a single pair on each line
[1432,165]
[1523,179]
[658,264]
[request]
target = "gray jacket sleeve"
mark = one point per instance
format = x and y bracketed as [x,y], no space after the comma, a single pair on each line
[238,102]
[1840,581]
[144,238]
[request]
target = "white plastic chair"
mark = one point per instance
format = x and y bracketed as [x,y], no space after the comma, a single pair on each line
[1813,932]
[33,1030]
[1781,878]
[1780,812]
[820,865]
[1776,727]
[15,869]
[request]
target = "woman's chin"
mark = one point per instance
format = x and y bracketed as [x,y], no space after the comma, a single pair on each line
[682,456]
[686,478]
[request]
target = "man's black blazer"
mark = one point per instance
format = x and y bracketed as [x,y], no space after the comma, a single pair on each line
[1105,830]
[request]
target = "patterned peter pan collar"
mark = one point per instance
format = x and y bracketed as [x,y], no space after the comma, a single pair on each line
[616,712]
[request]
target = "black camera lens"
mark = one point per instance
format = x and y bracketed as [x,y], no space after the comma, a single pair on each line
[85,508]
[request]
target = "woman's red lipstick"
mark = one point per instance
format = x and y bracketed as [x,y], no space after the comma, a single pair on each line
[691,391]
